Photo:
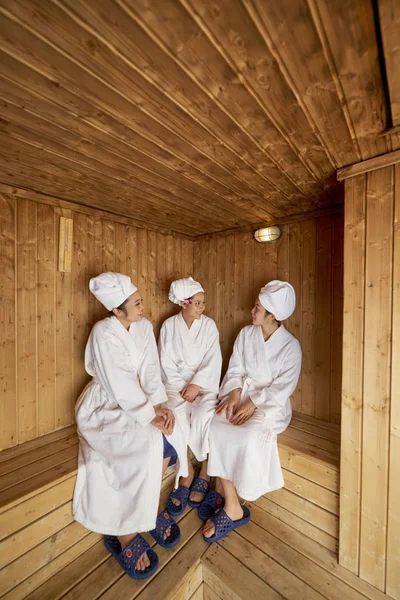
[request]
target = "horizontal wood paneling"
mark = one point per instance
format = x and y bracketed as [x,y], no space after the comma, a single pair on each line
[309,254]
[369,508]
[46,316]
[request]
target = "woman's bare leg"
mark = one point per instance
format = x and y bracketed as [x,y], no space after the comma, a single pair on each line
[196,496]
[124,540]
[186,481]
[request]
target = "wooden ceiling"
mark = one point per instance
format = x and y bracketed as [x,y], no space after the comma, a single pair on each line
[195,115]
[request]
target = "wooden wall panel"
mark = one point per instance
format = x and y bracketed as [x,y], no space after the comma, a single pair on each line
[369,510]
[8,363]
[393,526]
[310,256]
[46,316]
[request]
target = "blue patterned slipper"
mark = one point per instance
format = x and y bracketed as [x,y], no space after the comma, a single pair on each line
[224,524]
[182,494]
[201,486]
[128,557]
[212,502]
[163,522]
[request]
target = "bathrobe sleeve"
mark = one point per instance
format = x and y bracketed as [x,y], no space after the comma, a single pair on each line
[150,372]
[208,374]
[236,370]
[169,369]
[282,387]
[119,380]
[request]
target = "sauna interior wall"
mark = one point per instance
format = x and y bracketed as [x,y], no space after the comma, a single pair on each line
[370,447]
[233,268]
[46,316]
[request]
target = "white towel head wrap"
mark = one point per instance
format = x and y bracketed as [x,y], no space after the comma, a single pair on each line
[278,298]
[112,289]
[181,289]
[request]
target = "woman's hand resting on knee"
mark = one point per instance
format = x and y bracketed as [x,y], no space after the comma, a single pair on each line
[230,404]
[164,420]
[244,413]
[190,392]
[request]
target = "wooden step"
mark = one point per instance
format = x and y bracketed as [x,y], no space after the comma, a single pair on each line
[39,538]
[309,452]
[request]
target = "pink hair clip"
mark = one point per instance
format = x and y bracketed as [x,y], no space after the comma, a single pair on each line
[187,301]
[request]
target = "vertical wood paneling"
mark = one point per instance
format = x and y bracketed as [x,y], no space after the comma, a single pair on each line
[64,346]
[353,372]
[8,406]
[377,362]
[323,318]
[337,319]
[309,234]
[120,247]
[151,276]
[26,319]
[243,266]
[46,280]
[370,468]
[230,299]
[220,285]
[294,323]
[94,259]
[108,246]
[80,292]
[142,283]
[46,316]
[393,527]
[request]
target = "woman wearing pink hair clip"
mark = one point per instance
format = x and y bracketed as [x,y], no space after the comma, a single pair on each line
[191,364]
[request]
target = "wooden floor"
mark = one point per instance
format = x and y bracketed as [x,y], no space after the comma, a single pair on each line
[288,550]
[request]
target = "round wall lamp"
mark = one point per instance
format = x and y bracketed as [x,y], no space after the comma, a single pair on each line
[268,234]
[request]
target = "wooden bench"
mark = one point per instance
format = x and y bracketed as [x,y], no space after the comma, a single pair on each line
[288,550]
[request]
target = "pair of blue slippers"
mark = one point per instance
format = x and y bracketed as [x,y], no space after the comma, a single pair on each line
[211,507]
[128,557]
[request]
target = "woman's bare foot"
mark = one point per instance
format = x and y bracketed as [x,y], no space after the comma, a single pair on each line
[235,513]
[143,561]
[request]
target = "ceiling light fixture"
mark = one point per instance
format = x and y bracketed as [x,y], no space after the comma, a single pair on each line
[268,234]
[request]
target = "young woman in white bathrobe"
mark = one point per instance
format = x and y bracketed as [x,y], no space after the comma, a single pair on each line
[254,408]
[191,364]
[121,421]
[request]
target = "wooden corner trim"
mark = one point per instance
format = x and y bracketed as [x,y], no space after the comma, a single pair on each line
[372,164]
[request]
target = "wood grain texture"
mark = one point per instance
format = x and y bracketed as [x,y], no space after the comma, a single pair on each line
[172,112]
[368,517]
[46,316]
[310,256]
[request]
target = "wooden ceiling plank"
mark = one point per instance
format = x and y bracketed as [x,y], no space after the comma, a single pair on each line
[45,135]
[389,17]
[179,34]
[148,203]
[17,39]
[230,28]
[43,198]
[49,185]
[168,84]
[55,116]
[18,162]
[116,134]
[347,33]
[290,32]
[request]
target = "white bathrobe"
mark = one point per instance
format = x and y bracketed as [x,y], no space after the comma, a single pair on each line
[191,356]
[120,453]
[267,372]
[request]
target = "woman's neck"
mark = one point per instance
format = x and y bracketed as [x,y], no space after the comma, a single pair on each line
[188,320]
[268,329]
